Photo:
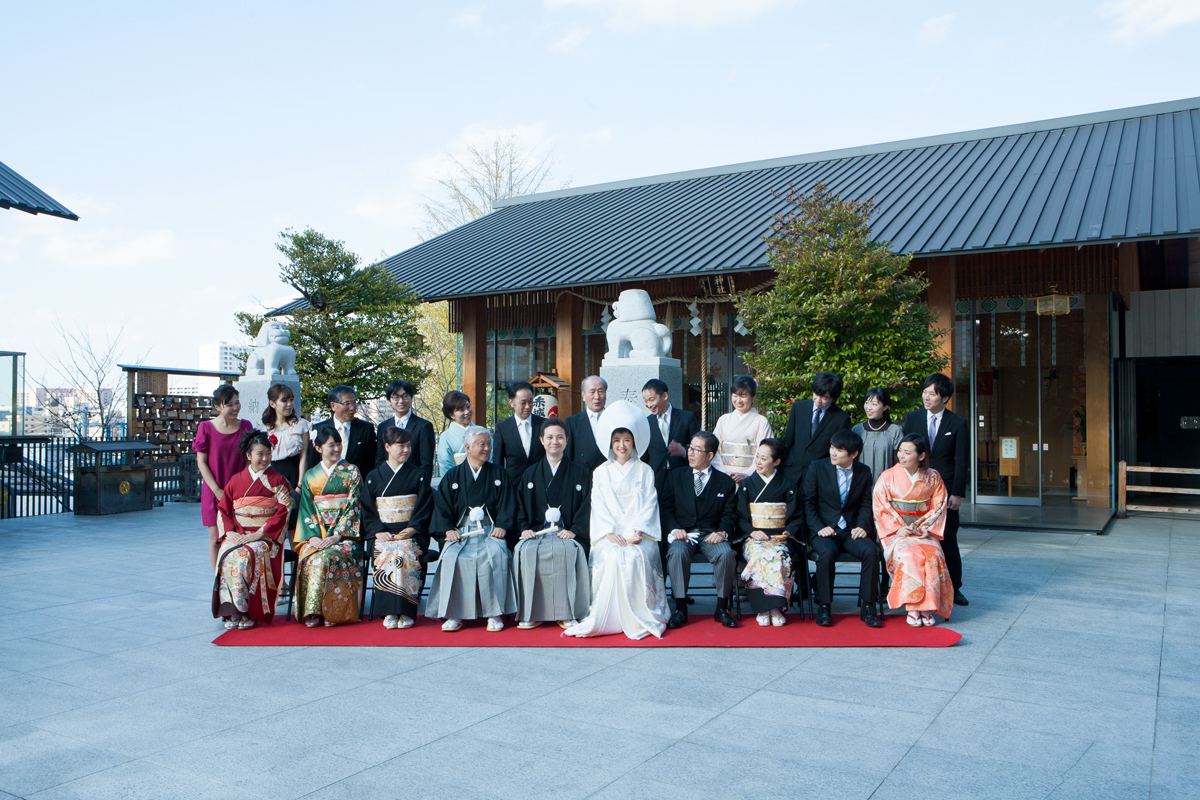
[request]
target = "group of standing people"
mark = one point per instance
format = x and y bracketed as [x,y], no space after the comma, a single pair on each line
[576,521]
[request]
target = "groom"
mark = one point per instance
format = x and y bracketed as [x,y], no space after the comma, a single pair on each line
[698,507]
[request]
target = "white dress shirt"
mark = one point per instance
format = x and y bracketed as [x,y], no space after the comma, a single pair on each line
[525,429]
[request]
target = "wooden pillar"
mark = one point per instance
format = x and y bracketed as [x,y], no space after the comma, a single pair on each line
[475,377]
[568,345]
[941,297]
[1129,277]
[1097,368]
[131,423]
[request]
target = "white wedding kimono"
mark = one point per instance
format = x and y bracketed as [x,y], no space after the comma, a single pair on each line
[740,429]
[628,593]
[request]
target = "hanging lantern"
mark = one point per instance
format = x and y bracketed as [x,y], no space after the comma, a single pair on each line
[1054,304]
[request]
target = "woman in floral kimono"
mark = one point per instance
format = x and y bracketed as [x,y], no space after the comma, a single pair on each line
[910,514]
[768,516]
[397,506]
[740,431]
[329,587]
[251,522]
[628,593]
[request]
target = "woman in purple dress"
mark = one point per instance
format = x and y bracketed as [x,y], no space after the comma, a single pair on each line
[217,455]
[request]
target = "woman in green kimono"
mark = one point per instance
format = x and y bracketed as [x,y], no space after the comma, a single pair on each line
[327,539]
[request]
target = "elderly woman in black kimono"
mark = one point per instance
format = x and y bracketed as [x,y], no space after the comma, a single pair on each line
[768,517]
[474,509]
[397,508]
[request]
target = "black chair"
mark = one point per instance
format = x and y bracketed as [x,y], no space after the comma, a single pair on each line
[847,589]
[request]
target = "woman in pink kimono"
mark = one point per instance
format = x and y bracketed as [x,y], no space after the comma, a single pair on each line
[910,508]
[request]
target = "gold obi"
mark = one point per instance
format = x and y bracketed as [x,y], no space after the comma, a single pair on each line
[397,509]
[738,455]
[768,516]
[459,458]
[329,508]
[253,512]
[912,508]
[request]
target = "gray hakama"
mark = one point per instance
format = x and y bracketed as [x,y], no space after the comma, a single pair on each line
[552,579]
[472,581]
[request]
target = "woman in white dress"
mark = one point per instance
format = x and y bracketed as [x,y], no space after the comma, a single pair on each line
[628,593]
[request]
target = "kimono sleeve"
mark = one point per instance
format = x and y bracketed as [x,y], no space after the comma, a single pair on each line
[445,516]
[226,521]
[506,503]
[371,523]
[744,525]
[276,527]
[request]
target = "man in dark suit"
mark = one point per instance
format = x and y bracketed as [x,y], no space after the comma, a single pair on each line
[400,396]
[357,435]
[581,427]
[518,442]
[698,507]
[949,454]
[837,506]
[811,424]
[671,431]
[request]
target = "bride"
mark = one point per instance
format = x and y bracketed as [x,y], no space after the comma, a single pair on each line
[628,594]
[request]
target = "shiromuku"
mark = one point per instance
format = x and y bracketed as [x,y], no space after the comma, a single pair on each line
[252,519]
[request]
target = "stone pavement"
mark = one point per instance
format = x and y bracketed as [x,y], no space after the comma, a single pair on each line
[1076,677]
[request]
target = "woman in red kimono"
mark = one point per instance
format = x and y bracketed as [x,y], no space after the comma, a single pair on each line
[251,523]
[910,515]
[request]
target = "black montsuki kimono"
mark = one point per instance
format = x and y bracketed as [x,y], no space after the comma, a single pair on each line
[773,590]
[569,490]
[396,591]
[473,579]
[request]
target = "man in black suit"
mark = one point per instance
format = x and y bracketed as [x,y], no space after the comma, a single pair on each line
[811,424]
[400,396]
[698,507]
[671,431]
[949,454]
[358,435]
[518,442]
[837,506]
[581,427]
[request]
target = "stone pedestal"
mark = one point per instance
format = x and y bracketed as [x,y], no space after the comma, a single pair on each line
[252,391]
[627,376]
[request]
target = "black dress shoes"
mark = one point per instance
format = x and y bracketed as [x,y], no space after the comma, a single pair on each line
[868,616]
[959,599]
[678,619]
[725,618]
[824,616]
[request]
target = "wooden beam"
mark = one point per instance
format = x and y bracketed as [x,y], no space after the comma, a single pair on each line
[1129,278]
[1097,368]
[941,296]
[568,344]
[475,377]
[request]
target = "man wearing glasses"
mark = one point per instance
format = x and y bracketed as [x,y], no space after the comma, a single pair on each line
[400,397]
[698,507]
[357,435]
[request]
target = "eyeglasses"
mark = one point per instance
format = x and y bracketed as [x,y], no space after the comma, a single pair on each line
[699,450]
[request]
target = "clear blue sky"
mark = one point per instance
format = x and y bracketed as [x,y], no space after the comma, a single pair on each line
[186,136]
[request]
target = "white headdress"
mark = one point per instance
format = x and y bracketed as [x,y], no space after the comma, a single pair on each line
[623,414]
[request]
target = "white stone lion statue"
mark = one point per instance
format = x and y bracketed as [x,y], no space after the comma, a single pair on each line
[271,354]
[634,332]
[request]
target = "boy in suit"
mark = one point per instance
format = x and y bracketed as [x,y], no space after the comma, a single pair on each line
[400,395]
[811,424]
[837,503]
[949,454]
[698,507]
[671,430]
[358,435]
[518,438]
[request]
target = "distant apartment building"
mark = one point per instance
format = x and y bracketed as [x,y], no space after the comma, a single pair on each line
[218,356]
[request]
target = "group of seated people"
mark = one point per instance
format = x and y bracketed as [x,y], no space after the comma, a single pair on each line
[575,521]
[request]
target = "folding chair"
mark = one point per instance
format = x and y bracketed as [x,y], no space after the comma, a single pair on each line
[851,588]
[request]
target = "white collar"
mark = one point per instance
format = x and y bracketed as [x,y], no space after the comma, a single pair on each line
[474,472]
[744,414]
[938,415]
[329,470]
[400,421]
[849,469]
[705,472]
[527,421]
[255,476]
[913,478]
[595,415]
[554,467]
[769,478]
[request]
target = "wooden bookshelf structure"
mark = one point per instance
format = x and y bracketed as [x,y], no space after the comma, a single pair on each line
[158,417]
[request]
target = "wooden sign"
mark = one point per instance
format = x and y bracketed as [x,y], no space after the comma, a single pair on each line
[1010,459]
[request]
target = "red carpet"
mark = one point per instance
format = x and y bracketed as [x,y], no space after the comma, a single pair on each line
[847,631]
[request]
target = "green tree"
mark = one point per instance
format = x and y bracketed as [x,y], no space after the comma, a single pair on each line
[356,326]
[840,302]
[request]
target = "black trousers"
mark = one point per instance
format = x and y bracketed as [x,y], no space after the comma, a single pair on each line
[865,550]
[950,548]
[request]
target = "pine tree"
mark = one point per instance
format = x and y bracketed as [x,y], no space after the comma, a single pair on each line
[840,302]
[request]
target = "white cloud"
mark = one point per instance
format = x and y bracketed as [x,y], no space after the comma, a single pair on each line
[469,18]
[597,138]
[1137,19]
[632,15]
[572,40]
[936,28]
[108,249]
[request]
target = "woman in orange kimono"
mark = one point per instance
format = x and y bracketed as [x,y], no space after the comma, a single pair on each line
[329,586]
[910,514]
[251,521]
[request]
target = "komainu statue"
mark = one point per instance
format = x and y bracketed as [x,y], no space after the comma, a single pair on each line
[271,354]
[634,332]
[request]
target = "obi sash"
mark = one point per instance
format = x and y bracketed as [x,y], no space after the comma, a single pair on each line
[768,516]
[329,508]
[252,513]
[396,510]
[741,455]
[912,508]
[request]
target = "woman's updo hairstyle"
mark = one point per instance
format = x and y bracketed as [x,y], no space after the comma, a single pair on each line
[779,450]
[251,439]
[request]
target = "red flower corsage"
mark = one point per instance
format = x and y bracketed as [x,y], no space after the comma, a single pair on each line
[273,439]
